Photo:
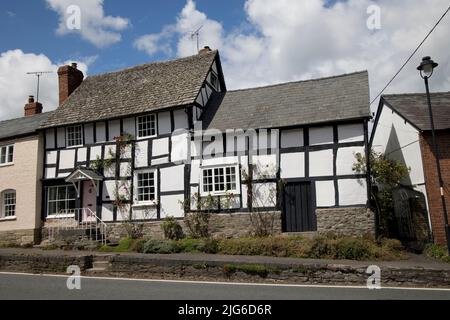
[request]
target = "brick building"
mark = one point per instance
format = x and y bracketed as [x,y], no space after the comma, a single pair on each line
[403,131]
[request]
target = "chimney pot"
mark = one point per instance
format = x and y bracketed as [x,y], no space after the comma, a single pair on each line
[32,107]
[30,99]
[206,49]
[74,65]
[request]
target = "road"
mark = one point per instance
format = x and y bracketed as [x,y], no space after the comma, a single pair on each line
[26,286]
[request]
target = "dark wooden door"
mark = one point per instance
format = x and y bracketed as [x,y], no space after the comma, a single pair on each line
[298,213]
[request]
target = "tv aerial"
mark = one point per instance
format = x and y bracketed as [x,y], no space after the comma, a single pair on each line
[196,34]
[38,74]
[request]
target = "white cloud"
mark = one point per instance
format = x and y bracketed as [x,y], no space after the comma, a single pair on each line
[16,85]
[288,40]
[95,26]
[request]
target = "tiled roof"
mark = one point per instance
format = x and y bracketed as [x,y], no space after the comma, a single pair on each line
[135,90]
[22,126]
[414,107]
[322,100]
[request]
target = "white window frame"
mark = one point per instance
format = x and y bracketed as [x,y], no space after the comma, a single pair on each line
[215,192]
[66,200]
[8,154]
[138,129]
[4,205]
[137,188]
[72,140]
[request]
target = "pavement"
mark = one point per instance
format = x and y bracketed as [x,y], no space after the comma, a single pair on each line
[54,287]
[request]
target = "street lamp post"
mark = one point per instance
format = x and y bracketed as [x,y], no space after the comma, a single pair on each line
[426,69]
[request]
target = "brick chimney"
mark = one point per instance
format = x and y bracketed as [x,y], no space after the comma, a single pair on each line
[69,78]
[206,49]
[32,108]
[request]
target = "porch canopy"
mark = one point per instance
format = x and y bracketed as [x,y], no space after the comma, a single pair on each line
[84,174]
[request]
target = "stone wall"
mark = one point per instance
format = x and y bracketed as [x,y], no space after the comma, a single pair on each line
[354,221]
[221,225]
[20,237]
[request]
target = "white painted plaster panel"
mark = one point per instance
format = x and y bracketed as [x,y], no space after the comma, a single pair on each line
[126,153]
[145,213]
[107,213]
[82,154]
[125,169]
[61,137]
[89,133]
[50,173]
[264,166]
[96,152]
[67,159]
[352,192]
[164,122]
[129,126]
[110,151]
[194,191]
[50,139]
[220,161]
[292,138]
[195,171]
[114,129]
[244,195]
[160,147]
[346,158]
[50,157]
[180,119]
[320,135]
[63,175]
[351,133]
[109,188]
[100,131]
[170,206]
[172,178]
[160,161]
[180,147]
[195,148]
[321,163]
[264,195]
[123,213]
[292,165]
[325,194]
[110,172]
[141,154]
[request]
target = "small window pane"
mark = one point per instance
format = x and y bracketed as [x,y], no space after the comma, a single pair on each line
[146,186]
[147,126]
[10,154]
[74,136]
[9,203]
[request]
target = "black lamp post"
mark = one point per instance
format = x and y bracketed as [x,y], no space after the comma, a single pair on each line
[426,71]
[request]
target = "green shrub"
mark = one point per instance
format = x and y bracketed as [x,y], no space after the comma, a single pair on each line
[251,269]
[160,246]
[198,224]
[437,252]
[125,245]
[138,245]
[172,229]
[353,249]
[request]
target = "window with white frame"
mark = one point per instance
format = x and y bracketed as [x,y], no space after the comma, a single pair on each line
[219,180]
[146,186]
[74,136]
[8,198]
[146,126]
[61,199]
[6,154]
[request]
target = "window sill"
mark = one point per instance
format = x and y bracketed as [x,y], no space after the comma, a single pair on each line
[145,204]
[8,218]
[60,216]
[217,194]
[9,164]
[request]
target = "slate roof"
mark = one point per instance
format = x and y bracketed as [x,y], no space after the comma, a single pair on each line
[414,107]
[135,90]
[321,100]
[22,126]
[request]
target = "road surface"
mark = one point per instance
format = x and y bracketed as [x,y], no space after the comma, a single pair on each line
[27,286]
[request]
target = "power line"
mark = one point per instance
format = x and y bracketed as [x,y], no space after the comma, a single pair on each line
[410,57]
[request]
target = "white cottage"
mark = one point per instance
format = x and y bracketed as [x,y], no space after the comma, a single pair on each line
[151,141]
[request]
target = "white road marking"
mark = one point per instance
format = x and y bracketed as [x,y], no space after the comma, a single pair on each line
[225,283]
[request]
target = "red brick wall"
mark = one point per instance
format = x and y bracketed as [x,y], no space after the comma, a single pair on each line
[69,78]
[432,181]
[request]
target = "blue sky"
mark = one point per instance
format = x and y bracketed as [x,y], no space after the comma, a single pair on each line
[260,41]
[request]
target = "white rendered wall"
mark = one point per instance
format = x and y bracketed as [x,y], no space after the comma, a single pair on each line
[292,165]
[292,138]
[352,192]
[321,163]
[325,193]
[320,135]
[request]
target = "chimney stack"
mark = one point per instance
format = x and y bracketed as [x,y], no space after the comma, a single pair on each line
[206,49]
[69,78]
[32,108]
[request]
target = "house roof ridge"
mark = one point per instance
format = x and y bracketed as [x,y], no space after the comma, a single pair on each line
[299,81]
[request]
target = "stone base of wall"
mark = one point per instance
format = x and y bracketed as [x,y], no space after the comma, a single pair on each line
[231,225]
[354,221]
[20,237]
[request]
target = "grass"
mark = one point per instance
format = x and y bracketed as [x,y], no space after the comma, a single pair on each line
[125,245]
[251,269]
[437,252]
